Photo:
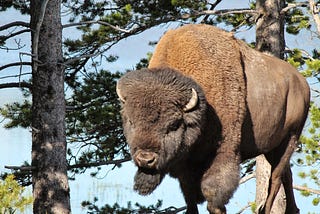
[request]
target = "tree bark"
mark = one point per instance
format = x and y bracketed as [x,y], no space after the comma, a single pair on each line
[263,172]
[314,10]
[270,27]
[50,181]
[269,39]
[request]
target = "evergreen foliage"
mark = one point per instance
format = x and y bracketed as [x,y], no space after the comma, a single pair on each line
[116,209]
[93,121]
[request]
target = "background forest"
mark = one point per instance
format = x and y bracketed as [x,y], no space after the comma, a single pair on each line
[60,63]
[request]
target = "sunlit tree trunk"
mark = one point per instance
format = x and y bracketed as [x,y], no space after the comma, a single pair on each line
[269,39]
[50,182]
[270,27]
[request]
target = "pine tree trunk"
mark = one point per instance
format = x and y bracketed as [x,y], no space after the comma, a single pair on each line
[270,27]
[263,171]
[269,39]
[50,182]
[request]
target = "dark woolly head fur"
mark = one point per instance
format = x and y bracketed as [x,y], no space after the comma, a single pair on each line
[155,122]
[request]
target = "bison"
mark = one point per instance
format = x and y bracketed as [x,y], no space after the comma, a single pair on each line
[206,103]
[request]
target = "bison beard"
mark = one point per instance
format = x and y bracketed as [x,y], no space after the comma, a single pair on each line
[146,180]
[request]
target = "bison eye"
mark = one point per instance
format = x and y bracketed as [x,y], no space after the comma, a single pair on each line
[174,125]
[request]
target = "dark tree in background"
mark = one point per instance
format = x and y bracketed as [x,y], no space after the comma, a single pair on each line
[85,113]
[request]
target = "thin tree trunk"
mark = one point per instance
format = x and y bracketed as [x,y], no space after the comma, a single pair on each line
[263,172]
[269,39]
[270,27]
[50,182]
[314,10]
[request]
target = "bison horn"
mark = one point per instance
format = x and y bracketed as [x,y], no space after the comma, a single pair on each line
[192,102]
[119,94]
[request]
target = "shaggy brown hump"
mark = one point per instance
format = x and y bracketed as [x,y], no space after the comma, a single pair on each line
[203,53]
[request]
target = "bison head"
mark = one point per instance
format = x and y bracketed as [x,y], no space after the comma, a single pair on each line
[163,114]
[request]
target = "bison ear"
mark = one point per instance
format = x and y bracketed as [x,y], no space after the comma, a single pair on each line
[192,102]
[119,93]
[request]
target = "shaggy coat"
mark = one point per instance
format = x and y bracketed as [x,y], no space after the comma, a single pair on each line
[206,103]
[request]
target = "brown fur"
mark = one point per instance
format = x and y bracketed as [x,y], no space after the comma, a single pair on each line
[249,104]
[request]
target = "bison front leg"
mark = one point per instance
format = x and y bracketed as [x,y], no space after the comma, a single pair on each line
[190,186]
[220,181]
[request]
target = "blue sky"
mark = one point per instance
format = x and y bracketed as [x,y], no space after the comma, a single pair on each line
[116,185]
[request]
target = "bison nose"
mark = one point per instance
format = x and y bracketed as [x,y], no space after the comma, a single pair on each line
[146,159]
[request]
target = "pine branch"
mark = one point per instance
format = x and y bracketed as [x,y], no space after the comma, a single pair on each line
[14,24]
[117,28]
[14,64]
[16,85]
[96,51]
[81,165]
[303,188]
[244,208]
[219,12]
[83,59]
[293,5]
[229,11]
[213,5]
[21,168]
[247,177]
[15,75]
[296,187]
[184,16]
[173,210]
[136,30]
[4,38]
[111,162]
